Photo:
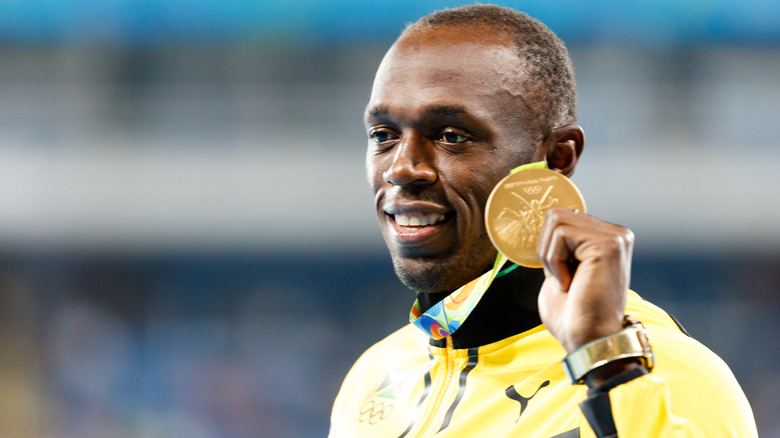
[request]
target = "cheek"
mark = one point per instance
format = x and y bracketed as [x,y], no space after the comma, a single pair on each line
[473,191]
[373,172]
[480,188]
[482,185]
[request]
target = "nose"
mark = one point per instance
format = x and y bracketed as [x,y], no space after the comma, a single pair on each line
[412,163]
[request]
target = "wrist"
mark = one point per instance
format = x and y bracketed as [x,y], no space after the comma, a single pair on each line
[579,339]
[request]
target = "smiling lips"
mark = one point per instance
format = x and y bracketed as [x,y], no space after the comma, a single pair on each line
[418,226]
[417,219]
[419,231]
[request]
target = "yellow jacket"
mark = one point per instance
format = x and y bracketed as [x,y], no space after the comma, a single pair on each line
[516,387]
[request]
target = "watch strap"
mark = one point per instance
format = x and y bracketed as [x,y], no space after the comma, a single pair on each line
[633,341]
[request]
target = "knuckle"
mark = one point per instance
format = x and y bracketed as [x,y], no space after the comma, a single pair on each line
[628,238]
[624,239]
[609,248]
[553,214]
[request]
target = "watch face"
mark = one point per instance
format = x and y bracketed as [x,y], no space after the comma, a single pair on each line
[515,211]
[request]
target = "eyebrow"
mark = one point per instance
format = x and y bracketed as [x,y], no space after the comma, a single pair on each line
[445,110]
[382,111]
[376,111]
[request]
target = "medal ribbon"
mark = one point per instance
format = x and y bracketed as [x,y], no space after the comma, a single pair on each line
[446,316]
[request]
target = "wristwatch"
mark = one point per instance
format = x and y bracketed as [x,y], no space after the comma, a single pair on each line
[632,341]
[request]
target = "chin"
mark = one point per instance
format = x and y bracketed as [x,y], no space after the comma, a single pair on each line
[435,275]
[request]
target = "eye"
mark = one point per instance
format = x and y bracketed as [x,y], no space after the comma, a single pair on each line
[381,136]
[453,137]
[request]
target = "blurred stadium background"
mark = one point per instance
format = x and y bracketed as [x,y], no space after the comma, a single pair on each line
[187,241]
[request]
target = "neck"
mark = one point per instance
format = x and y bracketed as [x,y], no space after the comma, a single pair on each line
[508,307]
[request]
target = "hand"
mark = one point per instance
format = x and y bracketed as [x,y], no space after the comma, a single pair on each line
[587,263]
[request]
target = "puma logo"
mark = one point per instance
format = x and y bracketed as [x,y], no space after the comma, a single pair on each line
[512,393]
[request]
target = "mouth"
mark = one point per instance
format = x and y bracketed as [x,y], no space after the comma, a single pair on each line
[420,231]
[417,220]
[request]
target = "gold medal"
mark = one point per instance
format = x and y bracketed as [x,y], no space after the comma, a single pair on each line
[515,211]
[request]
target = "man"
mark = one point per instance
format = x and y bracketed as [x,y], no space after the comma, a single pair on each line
[461,98]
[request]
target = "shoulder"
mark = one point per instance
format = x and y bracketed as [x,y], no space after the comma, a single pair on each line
[402,349]
[407,348]
[668,338]
[692,371]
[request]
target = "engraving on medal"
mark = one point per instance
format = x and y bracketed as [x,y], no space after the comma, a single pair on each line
[520,226]
[514,215]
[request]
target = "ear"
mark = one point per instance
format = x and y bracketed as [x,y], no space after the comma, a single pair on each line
[562,148]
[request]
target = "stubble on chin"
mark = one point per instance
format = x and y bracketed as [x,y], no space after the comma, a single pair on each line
[431,275]
[421,279]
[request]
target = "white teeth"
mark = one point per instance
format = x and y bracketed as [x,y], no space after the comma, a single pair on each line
[405,220]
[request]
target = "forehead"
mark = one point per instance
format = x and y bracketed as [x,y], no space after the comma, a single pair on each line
[449,65]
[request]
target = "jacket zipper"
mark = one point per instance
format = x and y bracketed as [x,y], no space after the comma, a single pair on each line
[440,395]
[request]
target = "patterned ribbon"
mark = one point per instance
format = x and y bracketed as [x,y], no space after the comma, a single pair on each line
[446,316]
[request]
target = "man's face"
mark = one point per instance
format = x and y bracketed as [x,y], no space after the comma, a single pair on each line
[445,124]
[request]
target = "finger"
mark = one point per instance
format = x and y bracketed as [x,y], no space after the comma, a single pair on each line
[554,218]
[587,225]
[561,243]
[559,255]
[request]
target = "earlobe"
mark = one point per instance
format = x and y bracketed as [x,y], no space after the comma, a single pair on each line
[564,146]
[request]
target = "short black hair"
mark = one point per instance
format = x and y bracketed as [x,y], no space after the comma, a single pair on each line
[551,91]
